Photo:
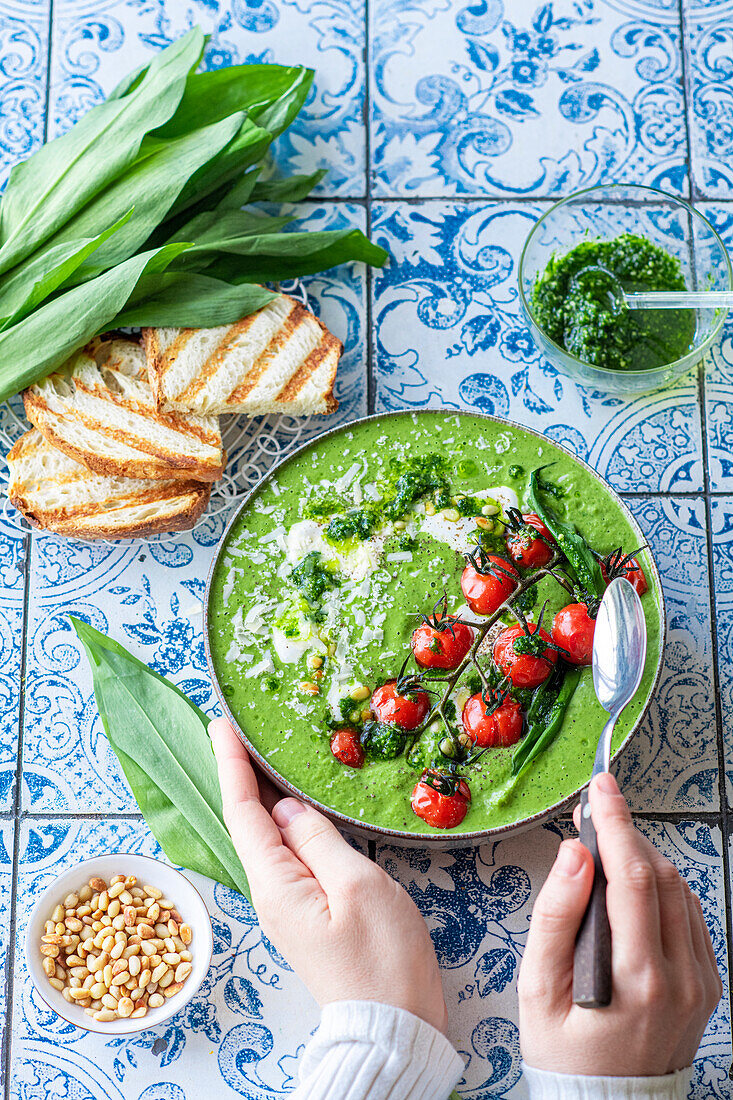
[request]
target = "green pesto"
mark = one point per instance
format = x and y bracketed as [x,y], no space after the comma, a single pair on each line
[294,738]
[575,301]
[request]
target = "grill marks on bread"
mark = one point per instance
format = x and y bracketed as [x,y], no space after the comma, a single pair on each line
[279,359]
[99,409]
[58,494]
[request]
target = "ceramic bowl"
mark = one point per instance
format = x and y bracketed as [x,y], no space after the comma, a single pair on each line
[601,213]
[148,871]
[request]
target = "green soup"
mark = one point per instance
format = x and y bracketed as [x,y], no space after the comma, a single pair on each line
[304,610]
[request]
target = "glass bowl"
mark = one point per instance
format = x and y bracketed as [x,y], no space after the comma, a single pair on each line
[601,213]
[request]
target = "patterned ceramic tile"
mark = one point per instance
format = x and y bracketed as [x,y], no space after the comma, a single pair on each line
[722,535]
[7,829]
[448,330]
[477,903]
[12,575]
[23,68]
[241,1035]
[525,98]
[97,41]
[719,377]
[149,595]
[672,763]
[708,39]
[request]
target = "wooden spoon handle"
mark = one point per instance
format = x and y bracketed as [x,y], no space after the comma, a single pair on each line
[592,964]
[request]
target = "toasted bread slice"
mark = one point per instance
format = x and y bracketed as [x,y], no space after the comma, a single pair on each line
[279,359]
[58,494]
[99,409]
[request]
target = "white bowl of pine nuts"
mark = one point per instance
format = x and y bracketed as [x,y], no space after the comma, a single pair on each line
[119,943]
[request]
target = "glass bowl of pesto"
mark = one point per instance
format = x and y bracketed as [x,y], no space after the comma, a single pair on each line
[645,239]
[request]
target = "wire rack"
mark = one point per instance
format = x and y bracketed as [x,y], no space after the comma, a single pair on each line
[253,445]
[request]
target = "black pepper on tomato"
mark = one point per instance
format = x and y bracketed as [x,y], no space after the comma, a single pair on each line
[406,711]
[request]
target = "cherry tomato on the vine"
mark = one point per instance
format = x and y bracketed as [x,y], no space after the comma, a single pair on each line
[486,592]
[492,728]
[634,575]
[444,648]
[441,800]
[406,711]
[524,669]
[530,553]
[573,630]
[346,747]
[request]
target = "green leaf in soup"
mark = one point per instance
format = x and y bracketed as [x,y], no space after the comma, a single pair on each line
[288,190]
[152,185]
[26,286]
[186,299]
[161,740]
[44,340]
[46,190]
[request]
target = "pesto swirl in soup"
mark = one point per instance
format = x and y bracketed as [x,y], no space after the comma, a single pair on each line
[401,621]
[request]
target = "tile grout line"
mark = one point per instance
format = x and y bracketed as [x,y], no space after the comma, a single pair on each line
[16,818]
[720,741]
[687,98]
[17,795]
[370,380]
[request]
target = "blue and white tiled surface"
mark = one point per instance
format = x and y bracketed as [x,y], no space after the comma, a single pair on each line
[446,127]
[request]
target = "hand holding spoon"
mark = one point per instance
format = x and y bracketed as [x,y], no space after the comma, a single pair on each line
[619,652]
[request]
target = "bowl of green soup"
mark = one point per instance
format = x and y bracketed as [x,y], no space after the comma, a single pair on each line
[598,242]
[399,617]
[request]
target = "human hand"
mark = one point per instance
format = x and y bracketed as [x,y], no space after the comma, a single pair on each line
[347,929]
[665,977]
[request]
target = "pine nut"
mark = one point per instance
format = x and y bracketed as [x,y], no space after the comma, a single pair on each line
[107,948]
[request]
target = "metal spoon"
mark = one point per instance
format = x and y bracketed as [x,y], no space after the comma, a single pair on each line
[606,284]
[619,652]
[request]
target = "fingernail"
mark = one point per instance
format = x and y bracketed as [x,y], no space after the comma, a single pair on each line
[285,810]
[569,861]
[606,783]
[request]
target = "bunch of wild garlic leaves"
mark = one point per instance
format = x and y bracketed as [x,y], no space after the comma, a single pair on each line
[134,216]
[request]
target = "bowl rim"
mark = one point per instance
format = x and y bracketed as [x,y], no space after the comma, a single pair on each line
[612,372]
[154,1017]
[446,839]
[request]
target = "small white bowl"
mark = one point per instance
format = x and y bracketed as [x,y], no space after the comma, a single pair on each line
[152,872]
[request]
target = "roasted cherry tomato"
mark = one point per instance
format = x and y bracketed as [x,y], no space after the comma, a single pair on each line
[634,575]
[486,592]
[441,800]
[346,747]
[529,552]
[573,630]
[406,711]
[501,726]
[530,664]
[444,648]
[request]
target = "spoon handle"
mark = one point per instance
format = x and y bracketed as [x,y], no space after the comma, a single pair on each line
[680,299]
[592,964]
